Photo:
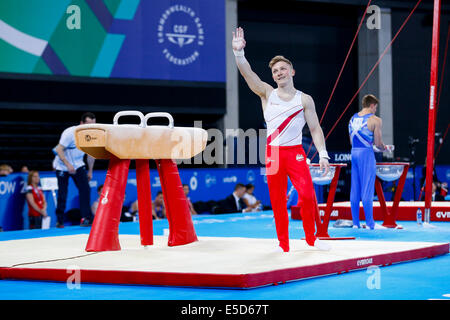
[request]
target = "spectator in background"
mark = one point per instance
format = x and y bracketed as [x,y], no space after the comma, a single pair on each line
[127,214]
[69,163]
[292,198]
[5,169]
[94,205]
[234,202]
[441,187]
[186,193]
[24,169]
[134,210]
[435,193]
[158,206]
[37,206]
[250,200]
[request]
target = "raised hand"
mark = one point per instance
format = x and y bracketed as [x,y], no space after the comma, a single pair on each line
[238,42]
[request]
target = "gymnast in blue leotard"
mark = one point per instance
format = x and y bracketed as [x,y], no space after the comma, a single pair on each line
[365,132]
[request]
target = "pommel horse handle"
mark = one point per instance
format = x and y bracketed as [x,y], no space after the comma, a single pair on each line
[157,115]
[144,119]
[119,114]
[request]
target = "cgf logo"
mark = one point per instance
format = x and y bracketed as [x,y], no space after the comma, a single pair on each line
[181,34]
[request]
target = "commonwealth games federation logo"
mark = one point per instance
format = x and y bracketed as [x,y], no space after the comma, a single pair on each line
[181,34]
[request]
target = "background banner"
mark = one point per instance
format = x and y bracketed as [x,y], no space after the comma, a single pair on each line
[130,39]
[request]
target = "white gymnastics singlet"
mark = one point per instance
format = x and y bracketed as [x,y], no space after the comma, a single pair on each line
[285,120]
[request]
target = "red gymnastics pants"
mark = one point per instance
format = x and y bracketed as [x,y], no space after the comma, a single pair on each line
[281,163]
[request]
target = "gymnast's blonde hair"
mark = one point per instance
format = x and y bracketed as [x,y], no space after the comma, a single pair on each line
[278,59]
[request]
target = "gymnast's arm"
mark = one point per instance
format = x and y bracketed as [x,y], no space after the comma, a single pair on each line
[377,136]
[258,86]
[316,130]
[350,136]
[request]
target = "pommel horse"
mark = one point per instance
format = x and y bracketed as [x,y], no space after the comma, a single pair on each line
[119,143]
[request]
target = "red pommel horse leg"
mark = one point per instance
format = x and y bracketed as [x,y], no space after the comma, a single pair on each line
[181,227]
[104,235]
[144,202]
[105,228]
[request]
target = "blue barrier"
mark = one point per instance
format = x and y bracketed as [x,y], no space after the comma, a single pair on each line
[12,200]
[205,184]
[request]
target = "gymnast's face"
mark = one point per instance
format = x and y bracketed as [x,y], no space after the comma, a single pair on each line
[282,73]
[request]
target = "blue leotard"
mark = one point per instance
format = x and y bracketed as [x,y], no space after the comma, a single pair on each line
[363,169]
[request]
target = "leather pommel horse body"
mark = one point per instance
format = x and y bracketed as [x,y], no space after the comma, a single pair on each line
[119,143]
